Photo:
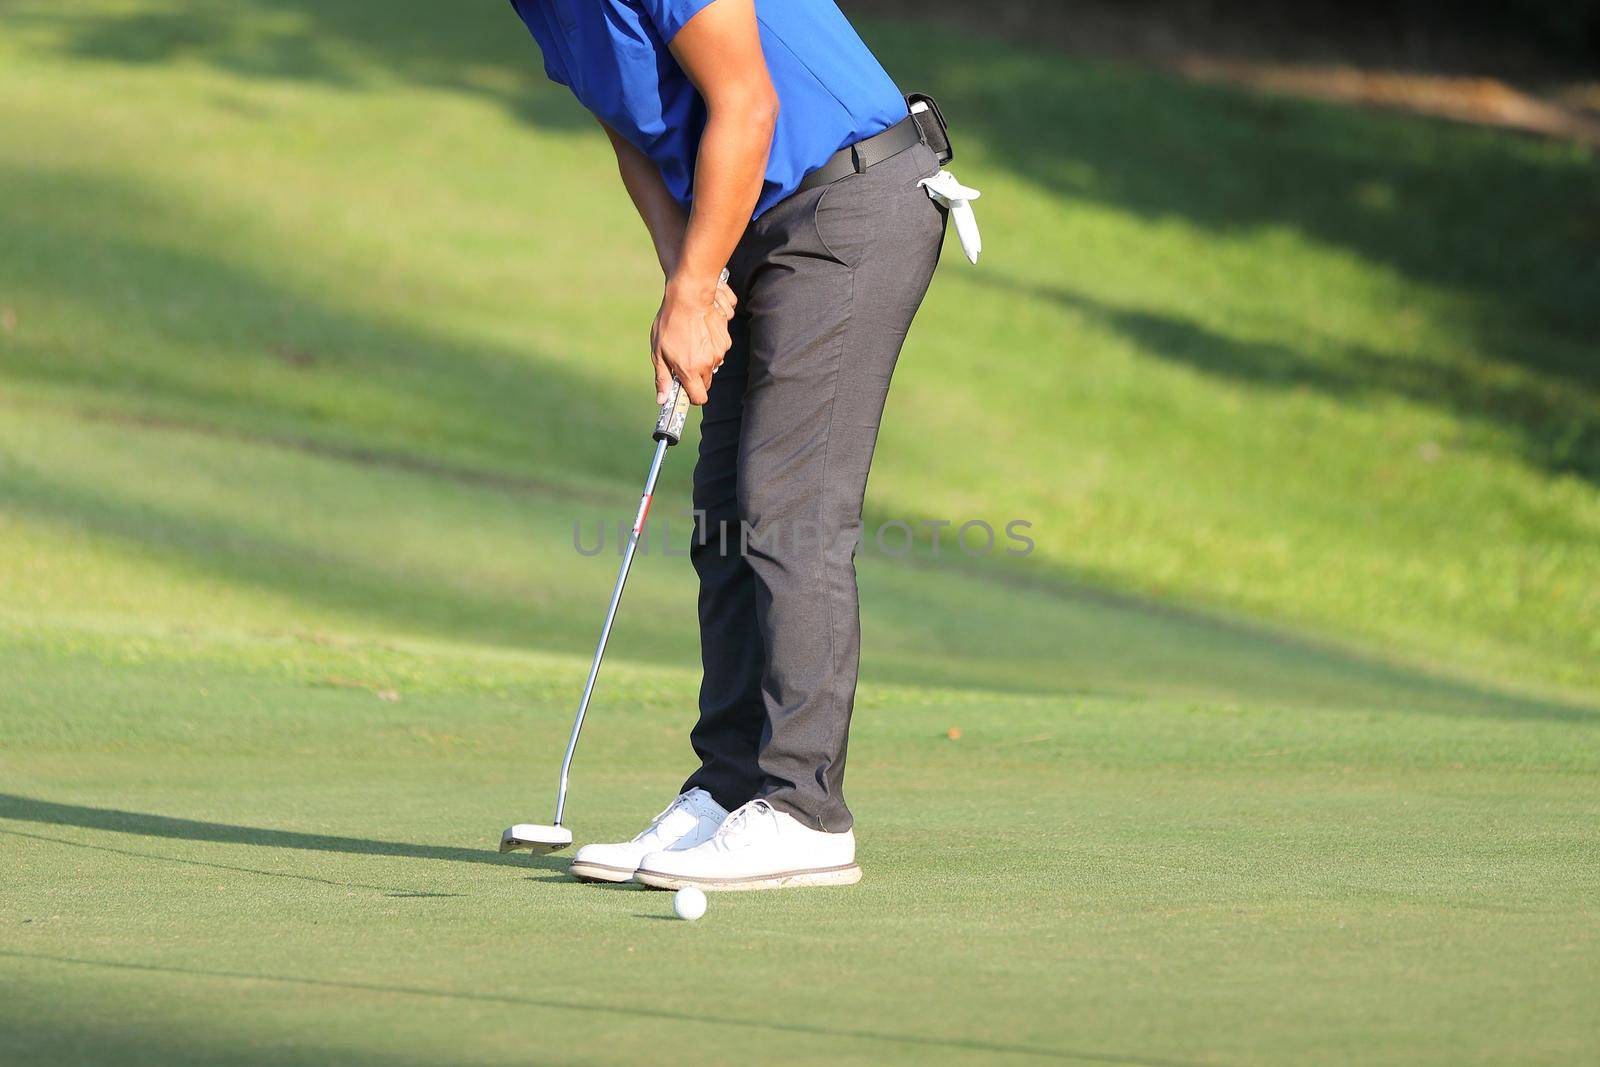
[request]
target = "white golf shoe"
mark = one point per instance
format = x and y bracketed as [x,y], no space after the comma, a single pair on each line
[688,820]
[756,847]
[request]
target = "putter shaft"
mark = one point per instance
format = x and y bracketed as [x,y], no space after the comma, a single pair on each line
[611,615]
[668,432]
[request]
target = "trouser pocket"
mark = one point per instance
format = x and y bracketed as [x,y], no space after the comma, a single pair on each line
[877,210]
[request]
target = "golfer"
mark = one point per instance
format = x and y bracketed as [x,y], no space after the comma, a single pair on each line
[762,135]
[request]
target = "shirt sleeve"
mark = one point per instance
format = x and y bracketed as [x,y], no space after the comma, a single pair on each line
[554,69]
[670,16]
[544,34]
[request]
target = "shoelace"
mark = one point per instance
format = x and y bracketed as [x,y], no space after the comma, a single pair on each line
[683,800]
[741,818]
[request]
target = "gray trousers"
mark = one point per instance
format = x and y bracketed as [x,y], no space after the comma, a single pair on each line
[828,282]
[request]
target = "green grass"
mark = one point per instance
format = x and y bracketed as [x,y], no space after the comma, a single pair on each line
[320,328]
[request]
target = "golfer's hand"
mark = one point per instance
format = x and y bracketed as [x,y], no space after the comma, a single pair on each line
[690,338]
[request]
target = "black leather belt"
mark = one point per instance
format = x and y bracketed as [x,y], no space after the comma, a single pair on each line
[863,154]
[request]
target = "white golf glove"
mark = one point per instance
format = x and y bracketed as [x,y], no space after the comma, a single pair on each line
[958,198]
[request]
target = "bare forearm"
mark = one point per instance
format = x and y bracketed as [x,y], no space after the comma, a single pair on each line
[729,172]
[720,50]
[663,216]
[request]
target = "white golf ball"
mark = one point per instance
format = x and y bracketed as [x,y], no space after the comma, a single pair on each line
[689,903]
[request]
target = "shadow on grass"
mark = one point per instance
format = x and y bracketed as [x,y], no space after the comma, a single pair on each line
[100,847]
[281,360]
[1034,632]
[992,1048]
[1554,425]
[33,810]
[1508,224]
[347,579]
[975,627]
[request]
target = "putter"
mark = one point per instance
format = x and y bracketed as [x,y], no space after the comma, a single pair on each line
[537,838]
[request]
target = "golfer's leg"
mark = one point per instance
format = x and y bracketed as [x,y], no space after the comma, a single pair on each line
[829,316]
[731,712]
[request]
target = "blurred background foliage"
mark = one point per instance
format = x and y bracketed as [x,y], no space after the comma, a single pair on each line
[1561,35]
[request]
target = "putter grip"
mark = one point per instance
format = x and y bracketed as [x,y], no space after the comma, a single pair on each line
[669,424]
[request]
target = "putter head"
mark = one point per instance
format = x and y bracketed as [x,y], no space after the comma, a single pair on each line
[535,838]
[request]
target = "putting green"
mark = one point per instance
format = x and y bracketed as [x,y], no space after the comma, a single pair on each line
[319,333]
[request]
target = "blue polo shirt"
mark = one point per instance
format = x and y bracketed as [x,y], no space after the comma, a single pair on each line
[613,55]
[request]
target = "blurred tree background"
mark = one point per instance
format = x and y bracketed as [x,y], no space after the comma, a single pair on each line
[1555,36]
